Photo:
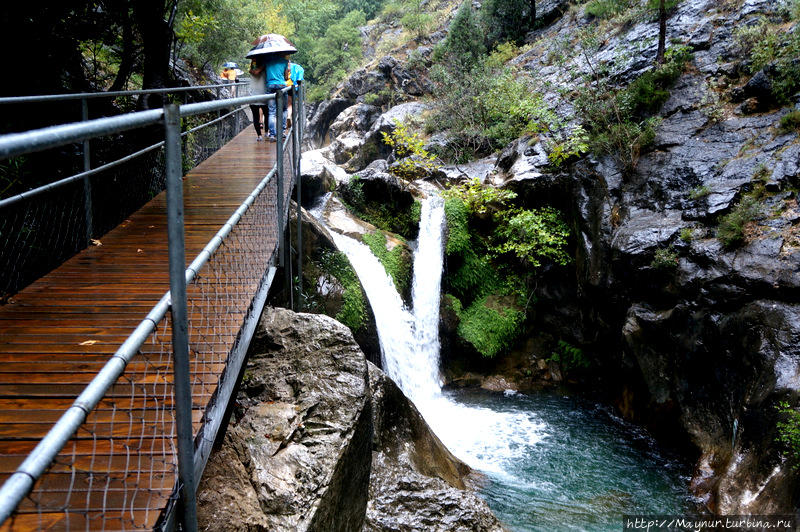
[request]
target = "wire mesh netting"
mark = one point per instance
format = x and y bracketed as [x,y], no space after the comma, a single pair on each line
[39,233]
[120,470]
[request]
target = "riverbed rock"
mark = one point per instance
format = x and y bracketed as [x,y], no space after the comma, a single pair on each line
[297,454]
[416,483]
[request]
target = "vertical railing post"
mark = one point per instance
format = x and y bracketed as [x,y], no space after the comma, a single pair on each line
[180,326]
[87,184]
[279,167]
[298,102]
[219,124]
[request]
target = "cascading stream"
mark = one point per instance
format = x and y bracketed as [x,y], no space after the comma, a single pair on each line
[483,438]
[549,462]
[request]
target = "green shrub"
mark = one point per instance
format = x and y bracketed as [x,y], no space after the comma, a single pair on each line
[456,214]
[768,45]
[485,108]
[386,215]
[478,198]
[353,312]
[474,277]
[790,122]
[464,45]
[491,324]
[665,259]
[615,116]
[506,20]
[604,9]
[687,234]
[730,230]
[569,356]
[414,161]
[396,262]
[577,143]
[789,433]
[532,235]
[699,192]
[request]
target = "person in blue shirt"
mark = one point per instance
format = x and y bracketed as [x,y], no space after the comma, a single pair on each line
[296,76]
[297,73]
[276,69]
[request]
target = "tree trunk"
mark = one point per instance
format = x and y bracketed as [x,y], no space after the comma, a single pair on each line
[662,31]
[533,13]
[127,54]
[156,32]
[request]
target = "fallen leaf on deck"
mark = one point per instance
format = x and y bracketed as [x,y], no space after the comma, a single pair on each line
[88,342]
[96,242]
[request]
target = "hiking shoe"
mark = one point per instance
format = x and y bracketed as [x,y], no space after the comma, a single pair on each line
[272,138]
[260,138]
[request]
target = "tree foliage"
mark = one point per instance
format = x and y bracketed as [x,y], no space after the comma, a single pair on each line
[507,20]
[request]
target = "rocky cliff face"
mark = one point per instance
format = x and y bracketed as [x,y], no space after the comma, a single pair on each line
[708,340]
[321,440]
[694,338]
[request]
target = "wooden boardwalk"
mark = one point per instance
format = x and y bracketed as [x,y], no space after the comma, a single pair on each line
[120,470]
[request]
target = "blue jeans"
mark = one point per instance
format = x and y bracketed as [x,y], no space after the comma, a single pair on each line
[272,106]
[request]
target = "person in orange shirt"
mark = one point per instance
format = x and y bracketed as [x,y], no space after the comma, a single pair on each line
[229,75]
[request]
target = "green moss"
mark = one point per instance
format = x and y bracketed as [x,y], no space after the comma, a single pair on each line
[353,312]
[491,324]
[789,433]
[396,262]
[455,211]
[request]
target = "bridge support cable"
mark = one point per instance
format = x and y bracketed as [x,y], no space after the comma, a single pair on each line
[180,321]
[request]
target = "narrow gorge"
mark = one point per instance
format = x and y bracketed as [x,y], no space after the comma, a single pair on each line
[589,292]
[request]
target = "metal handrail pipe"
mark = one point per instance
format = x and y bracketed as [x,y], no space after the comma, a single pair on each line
[67,180]
[54,136]
[109,94]
[216,105]
[211,123]
[219,238]
[77,177]
[20,483]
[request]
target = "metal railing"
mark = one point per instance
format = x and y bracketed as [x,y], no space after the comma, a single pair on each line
[234,270]
[27,249]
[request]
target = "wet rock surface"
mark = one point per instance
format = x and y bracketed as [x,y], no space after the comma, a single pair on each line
[322,440]
[297,453]
[416,483]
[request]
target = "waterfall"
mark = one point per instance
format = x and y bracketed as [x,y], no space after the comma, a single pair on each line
[485,439]
[536,470]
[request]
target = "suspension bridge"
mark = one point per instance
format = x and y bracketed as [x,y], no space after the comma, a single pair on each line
[117,367]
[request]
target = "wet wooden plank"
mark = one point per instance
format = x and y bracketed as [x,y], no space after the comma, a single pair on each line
[59,331]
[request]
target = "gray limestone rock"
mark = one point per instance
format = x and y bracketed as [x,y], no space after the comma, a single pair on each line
[299,446]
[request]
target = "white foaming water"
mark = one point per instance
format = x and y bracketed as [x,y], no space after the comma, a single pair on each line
[485,439]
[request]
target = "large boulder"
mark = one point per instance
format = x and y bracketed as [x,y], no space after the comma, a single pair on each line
[416,483]
[297,454]
[373,147]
